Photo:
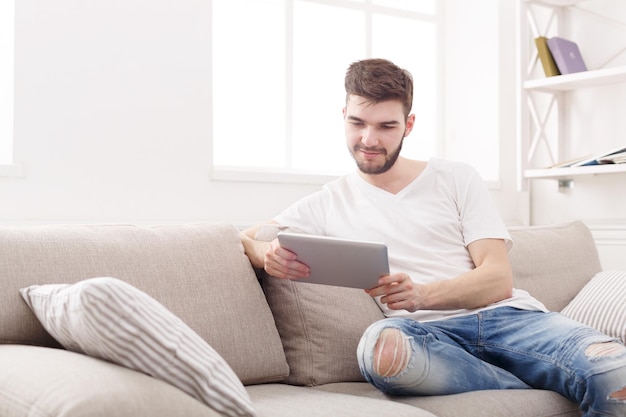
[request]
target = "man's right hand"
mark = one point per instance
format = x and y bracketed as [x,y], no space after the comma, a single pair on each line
[282,263]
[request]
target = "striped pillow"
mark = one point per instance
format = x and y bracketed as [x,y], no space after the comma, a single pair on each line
[109,319]
[601,304]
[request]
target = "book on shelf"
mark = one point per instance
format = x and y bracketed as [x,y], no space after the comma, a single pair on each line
[545,57]
[566,55]
[616,156]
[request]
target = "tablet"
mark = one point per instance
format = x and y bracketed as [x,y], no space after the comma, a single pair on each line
[340,262]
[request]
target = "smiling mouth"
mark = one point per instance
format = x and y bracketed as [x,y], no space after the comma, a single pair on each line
[370,153]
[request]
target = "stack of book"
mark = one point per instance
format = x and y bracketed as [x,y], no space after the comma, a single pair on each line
[617,156]
[559,56]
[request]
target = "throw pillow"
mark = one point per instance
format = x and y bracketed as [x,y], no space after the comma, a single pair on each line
[112,320]
[601,304]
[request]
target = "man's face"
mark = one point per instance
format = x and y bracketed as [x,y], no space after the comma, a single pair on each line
[374,133]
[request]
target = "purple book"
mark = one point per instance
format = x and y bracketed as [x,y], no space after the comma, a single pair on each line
[566,55]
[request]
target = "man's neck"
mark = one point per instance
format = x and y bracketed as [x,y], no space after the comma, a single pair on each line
[401,174]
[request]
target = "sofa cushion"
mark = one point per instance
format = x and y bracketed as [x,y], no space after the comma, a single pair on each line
[281,400]
[486,403]
[553,263]
[320,325]
[44,382]
[197,271]
[109,319]
[601,304]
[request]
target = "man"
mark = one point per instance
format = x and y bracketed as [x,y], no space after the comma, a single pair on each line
[454,322]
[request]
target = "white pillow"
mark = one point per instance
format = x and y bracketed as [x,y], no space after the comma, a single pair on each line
[109,319]
[601,304]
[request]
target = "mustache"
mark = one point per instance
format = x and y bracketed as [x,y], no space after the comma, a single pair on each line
[362,148]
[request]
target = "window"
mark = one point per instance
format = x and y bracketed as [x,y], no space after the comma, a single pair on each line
[278,68]
[7,17]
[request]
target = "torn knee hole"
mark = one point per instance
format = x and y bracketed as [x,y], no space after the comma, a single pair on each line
[619,395]
[604,349]
[391,353]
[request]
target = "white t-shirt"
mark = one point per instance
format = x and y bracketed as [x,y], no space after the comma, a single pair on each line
[427,226]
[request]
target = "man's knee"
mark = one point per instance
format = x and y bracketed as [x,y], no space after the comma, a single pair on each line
[391,353]
[605,349]
[598,351]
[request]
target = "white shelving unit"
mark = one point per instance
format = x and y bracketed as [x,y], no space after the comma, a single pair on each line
[532,119]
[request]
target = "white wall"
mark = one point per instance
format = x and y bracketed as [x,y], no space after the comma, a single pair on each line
[112,118]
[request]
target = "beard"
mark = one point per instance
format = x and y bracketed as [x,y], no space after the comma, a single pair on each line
[367,167]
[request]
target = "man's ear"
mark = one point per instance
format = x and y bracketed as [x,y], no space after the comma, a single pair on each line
[410,122]
[343,112]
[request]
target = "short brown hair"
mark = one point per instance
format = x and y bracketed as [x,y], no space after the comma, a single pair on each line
[380,80]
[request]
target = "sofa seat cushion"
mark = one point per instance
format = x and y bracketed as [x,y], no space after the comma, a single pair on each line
[199,272]
[553,263]
[489,403]
[280,400]
[109,319]
[601,304]
[37,381]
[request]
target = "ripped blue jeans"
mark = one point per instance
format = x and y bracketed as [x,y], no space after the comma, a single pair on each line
[502,348]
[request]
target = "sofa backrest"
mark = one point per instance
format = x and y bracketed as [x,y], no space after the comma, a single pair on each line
[198,271]
[553,262]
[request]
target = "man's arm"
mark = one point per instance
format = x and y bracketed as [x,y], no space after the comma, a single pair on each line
[270,256]
[489,282]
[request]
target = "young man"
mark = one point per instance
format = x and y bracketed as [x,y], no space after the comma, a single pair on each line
[454,323]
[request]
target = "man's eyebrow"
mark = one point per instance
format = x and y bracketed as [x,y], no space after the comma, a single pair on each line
[389,122]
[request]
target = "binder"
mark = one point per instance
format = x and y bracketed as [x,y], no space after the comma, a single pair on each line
[566,55]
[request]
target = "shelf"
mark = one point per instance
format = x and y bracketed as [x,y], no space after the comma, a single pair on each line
[568,173]
[555,2]
[591,78]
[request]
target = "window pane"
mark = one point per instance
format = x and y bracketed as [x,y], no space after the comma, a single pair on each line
[326,40]
[473,107]
[391,35]
[421,6]
[249,83]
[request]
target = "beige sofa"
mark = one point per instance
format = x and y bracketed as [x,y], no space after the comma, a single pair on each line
[291,344]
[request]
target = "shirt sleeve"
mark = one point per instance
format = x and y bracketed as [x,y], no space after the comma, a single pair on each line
[480,218]
[307,214]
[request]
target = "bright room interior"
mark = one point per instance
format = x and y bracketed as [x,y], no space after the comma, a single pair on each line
[114,108]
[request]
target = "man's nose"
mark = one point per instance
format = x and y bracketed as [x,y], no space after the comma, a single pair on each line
[369,137]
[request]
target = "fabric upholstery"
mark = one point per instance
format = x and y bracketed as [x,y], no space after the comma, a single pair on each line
[487,403]
[280,400]
[109,319]
[601,304]
[553,263]
[320,325]
[197,271]
[44,382]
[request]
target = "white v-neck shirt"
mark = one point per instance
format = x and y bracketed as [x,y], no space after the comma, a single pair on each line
[427,226]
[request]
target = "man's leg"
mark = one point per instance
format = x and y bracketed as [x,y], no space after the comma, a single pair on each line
[550,351]
[405,357]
